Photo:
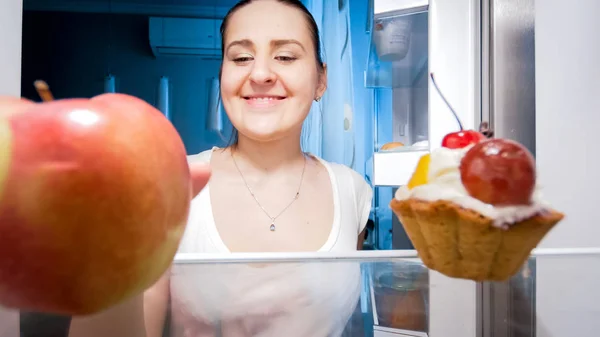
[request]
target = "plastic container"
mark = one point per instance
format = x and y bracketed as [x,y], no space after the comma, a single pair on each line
[392,38]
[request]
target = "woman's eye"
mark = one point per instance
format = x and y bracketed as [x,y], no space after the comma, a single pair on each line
[285,58]
[242,59]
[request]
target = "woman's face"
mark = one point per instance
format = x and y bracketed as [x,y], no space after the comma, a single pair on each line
[270,76]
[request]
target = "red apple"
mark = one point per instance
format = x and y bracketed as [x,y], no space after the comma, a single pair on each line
[94,198]
[461,139]
[500,172]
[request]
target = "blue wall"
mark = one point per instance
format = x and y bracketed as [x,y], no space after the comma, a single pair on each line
[74,51]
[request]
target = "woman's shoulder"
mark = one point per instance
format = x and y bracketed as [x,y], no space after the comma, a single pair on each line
[339,169]
[353,189]
[345,175]
[202,157]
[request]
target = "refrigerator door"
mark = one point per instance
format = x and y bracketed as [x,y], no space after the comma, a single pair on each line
[508,103]
[509,70]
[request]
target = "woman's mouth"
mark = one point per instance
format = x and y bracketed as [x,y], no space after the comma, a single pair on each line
[263,101]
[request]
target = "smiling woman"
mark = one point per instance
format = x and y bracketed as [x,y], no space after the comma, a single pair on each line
[294,57]
[265,195]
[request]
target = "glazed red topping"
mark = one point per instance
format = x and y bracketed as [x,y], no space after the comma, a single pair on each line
[461,139]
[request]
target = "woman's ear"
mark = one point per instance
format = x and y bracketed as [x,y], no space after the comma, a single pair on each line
[322,82]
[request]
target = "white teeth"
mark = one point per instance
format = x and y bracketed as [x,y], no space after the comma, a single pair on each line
[262,99]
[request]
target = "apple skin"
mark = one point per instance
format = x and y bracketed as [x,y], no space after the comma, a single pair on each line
[94,199]
[499,172]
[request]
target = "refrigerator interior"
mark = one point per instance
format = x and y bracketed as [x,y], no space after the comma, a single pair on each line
[398,74]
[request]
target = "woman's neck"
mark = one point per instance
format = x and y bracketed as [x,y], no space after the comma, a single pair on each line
[269,156]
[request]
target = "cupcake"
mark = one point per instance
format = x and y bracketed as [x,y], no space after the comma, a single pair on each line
[473,209]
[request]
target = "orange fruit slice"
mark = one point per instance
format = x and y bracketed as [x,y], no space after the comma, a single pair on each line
[419,177]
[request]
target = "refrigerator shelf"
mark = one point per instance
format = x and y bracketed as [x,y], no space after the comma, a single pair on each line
[395,167]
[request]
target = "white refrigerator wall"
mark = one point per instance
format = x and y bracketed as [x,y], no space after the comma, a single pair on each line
[453,50]
[567,116]
[453,59]
[11,15]
[567,46]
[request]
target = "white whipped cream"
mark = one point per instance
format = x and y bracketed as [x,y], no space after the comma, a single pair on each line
[444,183]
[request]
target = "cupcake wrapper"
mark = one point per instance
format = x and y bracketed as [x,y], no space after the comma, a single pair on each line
[462,243]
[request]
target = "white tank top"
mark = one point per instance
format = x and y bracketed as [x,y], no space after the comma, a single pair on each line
[286,299]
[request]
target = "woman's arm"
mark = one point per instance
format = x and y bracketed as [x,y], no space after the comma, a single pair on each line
[141,316]
[361,239]
[156,304]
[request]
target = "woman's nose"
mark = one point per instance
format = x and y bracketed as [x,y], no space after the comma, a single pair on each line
[261,72]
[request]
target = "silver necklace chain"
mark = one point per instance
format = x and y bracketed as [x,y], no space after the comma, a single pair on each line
[273,218]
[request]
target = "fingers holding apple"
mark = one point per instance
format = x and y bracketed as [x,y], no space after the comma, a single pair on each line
[200,174]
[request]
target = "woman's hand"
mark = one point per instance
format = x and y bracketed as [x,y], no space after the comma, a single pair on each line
[200,174]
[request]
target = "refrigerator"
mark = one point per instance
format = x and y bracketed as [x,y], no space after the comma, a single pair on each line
[427,58]
[482,56]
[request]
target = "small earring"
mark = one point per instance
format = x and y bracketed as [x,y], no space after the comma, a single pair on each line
[317,99]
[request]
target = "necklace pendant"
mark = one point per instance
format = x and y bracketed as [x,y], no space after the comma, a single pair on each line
[272,228]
